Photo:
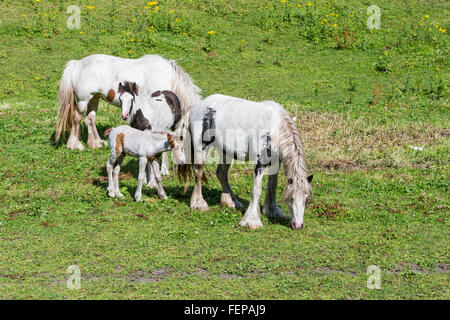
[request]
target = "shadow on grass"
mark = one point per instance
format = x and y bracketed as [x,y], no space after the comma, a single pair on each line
[130,169]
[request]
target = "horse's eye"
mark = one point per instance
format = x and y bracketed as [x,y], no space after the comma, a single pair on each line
[158,100]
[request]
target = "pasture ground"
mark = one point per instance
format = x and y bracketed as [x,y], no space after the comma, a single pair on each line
[361,97]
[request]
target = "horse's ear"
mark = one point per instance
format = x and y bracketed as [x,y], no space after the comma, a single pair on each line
[170,140]
[135,88]
[309,178]
[120,87]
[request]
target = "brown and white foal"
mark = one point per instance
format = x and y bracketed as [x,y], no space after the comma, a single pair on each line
[145,145]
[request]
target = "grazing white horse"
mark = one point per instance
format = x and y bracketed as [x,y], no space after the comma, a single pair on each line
[98,76]
[262,132]
[146,145]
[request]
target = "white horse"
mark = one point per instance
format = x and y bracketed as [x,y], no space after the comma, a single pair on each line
[146,145]
[147,109]
[262,132]
[98,76]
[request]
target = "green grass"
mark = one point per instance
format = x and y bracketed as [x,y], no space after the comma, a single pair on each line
[376,201]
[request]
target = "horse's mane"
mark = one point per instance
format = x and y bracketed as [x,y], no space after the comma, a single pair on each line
[293,159]
[185,89]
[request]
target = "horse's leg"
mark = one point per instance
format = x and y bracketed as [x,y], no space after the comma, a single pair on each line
[109,169]
[271,208]
[74,142]
[94,140]
[141,178]
[116,171]
[165,164]
[161,192]
[251,217]
[197,201]
[228,198]
[151,180]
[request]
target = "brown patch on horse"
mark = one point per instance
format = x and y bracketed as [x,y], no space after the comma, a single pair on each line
[140,122]
[111,95]
[130,87]
[170,140]
[174,104]
[120,141]
[107,132]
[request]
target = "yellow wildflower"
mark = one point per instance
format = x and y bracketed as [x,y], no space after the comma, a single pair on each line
[442,30]
[211,32]
[152,3]
[132,40]
[309,4]
[90,7]
[427,16]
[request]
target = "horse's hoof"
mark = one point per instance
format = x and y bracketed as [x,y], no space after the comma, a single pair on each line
[165,172]
[273,212]
[119,195]
[226,201]
[251,225]
[111,194]
[200,205]
[96,144]
[75,146]
[238,205]
[137,198]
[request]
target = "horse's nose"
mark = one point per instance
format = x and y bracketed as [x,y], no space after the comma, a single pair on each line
[124,116]
[297,225]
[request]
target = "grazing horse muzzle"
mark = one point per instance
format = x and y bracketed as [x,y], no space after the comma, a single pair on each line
[125,116]
[296,225]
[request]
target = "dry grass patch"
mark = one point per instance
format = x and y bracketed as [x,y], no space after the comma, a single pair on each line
[335,141]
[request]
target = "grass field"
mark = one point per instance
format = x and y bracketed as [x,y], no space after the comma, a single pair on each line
[362,98]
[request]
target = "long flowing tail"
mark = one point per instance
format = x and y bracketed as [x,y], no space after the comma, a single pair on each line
[66,101]
[185,172]
[185,89]
[292,156]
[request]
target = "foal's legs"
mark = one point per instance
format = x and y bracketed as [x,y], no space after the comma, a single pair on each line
[109,169]
[161,192]
[141,178]
[165,164]
[271,208]
[197,201]
[228,198]
[116,171]
[251,217]
[94,140]
[150,174]
[74,138]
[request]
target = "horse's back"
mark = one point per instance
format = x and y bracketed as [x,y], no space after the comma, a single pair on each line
[241,113]
[100,73]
